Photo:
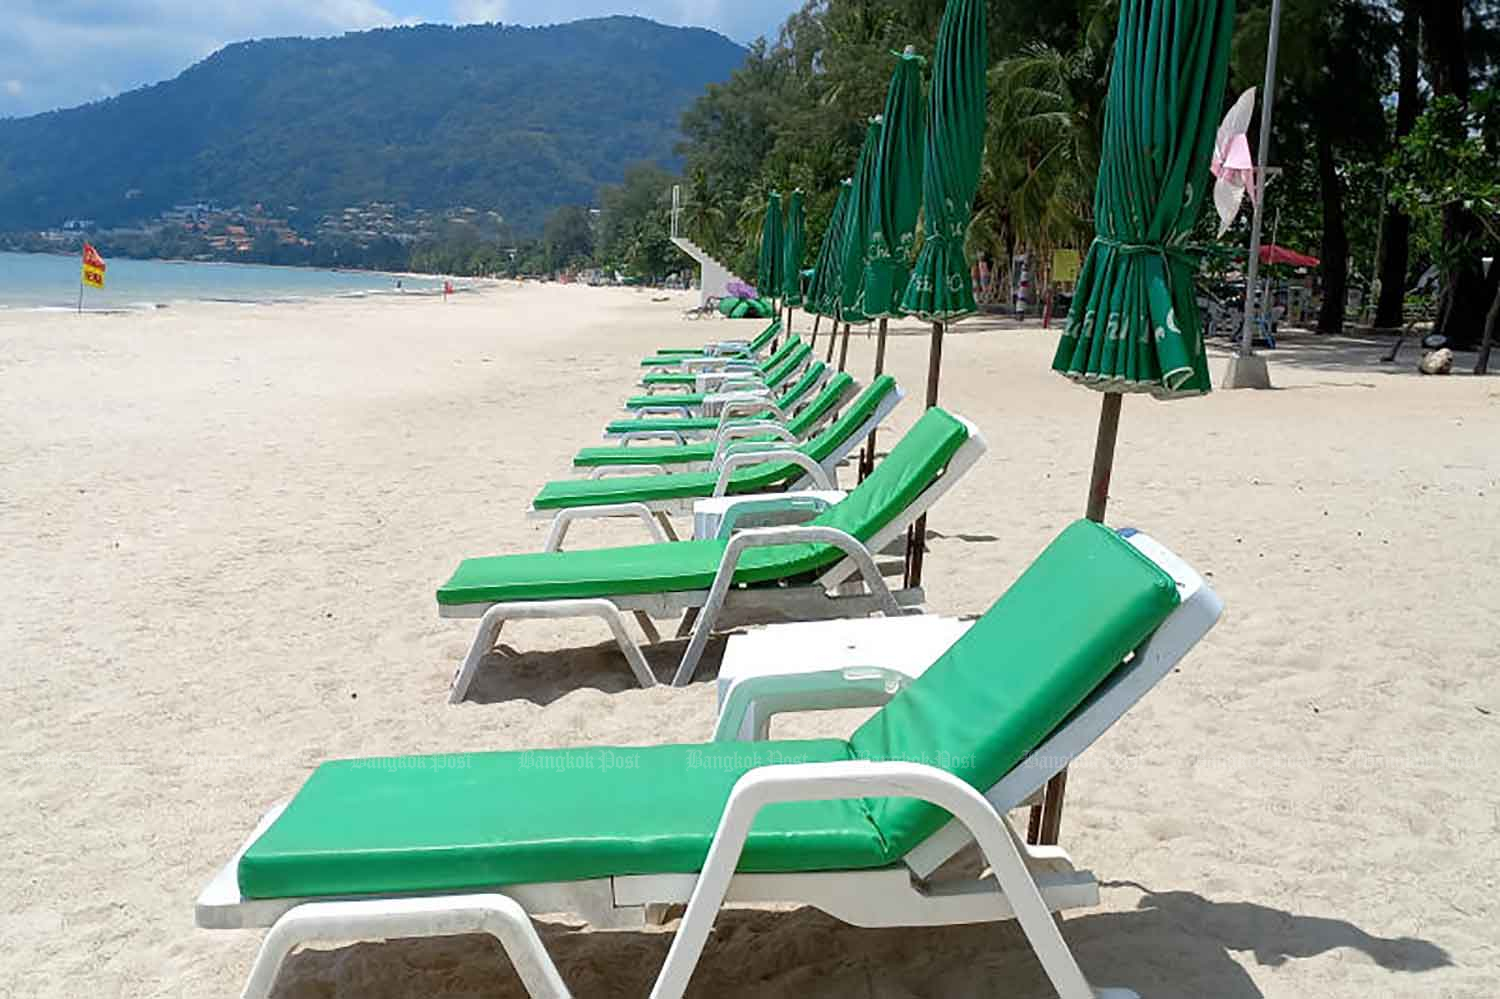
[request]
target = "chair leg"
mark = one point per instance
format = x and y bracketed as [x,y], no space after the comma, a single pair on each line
[648,628]
[494,619]
[337,922]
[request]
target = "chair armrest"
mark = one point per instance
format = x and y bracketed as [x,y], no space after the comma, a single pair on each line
[652,435]
[752,702]
[663,409]
[611,471]
[565,518]
[743,447]
[765,537]
[734,429]
[769,785]
[754,506]
[745,404]
[733,462]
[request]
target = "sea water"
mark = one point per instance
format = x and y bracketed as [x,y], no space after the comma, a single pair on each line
[47,281]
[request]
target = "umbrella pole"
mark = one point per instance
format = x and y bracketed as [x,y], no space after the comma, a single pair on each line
[844,350]
[1046,818]
[916,538]
[867,462]
[817,321]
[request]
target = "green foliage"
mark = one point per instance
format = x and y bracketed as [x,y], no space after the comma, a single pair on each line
[1449,159]
[635,225]
[520,120]
[568,238]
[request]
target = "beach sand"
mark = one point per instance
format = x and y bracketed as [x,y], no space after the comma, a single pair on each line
[222,528]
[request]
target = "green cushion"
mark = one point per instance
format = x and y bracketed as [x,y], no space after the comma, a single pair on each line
[791,348]
[800,425]
[485,820]
[913,464]
[787,400]
[762,478]
[664,424]
[1083,605]
[826,443]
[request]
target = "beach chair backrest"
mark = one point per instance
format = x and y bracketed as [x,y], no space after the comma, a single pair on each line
[914,464]
[804,385]
[764,337]
[1057,633]
[834,393]
[783,369]
[850,420]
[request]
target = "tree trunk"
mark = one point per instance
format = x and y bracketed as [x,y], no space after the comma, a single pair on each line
[1447,59]
[1335,248]
[1395,235]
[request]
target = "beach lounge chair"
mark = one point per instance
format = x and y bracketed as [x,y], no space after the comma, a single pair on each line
[823,569]
[857,828]
[724,428]
[672,357]
[737,469]
[755,408]
[719,374]
[750,397]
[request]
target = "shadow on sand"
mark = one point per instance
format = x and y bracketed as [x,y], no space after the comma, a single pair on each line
[542,677]
[1177,945]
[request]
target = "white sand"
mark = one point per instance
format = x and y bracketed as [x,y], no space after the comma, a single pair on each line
[222,526]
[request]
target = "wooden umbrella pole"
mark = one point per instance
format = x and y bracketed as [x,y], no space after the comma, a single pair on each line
[867,461]
[916,539]
[844,350]
[817,321]
[1046,819]
[934,365]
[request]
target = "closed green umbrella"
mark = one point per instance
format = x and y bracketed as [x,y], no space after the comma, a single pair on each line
[822,293]
[768,270]
[794,246]
[895,202]
[1133,325]
[857,235]
[940,290]
[896,192]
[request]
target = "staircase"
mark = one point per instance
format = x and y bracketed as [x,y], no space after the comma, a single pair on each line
[716,277]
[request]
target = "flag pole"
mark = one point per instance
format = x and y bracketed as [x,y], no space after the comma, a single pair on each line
[80,293]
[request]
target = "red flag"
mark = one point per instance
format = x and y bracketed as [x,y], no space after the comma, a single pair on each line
[93,267]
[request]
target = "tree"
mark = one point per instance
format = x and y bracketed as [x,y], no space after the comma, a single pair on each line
[1448,160]
[1395,233]
[1446,40]
[634,234]
[568,238]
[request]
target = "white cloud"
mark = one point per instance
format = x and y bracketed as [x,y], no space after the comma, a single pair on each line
[63,47]
[481,11]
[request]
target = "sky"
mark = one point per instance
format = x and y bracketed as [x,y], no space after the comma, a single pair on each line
[61,53]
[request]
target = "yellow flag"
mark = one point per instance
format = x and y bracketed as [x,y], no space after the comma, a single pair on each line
[93,267]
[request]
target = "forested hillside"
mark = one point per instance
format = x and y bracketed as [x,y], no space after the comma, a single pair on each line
[519,120]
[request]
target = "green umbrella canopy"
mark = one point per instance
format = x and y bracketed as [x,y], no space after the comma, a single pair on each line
[795,246]
[941,289]
[857,228]
[768,270]
[822,294]
[1134,325]
[896,191]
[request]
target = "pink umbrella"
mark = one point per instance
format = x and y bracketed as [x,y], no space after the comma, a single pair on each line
[1232,163]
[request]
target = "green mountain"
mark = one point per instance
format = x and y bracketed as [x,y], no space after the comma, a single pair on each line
[518,120]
